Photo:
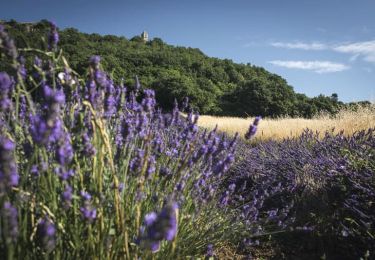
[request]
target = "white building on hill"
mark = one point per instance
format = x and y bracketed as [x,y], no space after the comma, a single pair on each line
[144,36]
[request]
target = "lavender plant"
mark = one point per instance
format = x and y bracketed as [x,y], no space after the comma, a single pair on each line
[316,187]
[90,169]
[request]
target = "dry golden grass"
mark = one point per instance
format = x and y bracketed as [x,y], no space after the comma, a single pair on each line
[346,120]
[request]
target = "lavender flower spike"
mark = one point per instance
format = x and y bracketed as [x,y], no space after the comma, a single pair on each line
[46,234]
[7,43]
[253,128]
[6,87]
[158,227]
[8,168]
[53,37]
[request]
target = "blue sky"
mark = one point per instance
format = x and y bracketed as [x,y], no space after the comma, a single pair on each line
[318,46]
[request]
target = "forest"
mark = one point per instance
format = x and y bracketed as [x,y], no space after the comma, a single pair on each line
[214,86]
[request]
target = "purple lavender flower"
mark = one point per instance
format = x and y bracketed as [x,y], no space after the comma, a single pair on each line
[91,93]
[53,37]
[121,186]
[223,165]
[180,186]
[39,130]
[54,100]
[142,124]
[101,78]
[210,250]
[127,129]
[89,149]
[257,120]
[47,128]
[132,103]
[137,162]
[8,169]
[158,143]
[38,62]
[88,211]
[232,187]
[34,170]
[67,196]
[64,173]
[150,166]
[150,218]
[8,44]
[85,195]
[21,67]
[95,61]
[46,234]
[253,128]
[224,199]
[110,100]
[149,101]
[6,88]
[175,114]
[159,226]
[23,108]
[64,153]
[165,171]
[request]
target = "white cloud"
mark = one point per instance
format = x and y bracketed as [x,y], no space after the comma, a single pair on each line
[300,45]
[316,66]
[364,49]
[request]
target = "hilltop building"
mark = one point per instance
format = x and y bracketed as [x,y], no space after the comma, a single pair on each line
[144,36]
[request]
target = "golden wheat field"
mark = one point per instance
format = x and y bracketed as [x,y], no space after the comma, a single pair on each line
[346,120]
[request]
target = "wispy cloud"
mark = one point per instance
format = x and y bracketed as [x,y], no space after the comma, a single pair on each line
[364,49]
[315,66]
[300,45]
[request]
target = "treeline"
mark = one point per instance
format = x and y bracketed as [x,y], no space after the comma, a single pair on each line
[214,86]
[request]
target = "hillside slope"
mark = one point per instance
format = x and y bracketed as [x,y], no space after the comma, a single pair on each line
[214,86]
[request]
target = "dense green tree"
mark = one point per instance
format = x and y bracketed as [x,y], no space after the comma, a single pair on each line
[214,86]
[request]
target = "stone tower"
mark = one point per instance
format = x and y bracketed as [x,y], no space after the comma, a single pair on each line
[144,36]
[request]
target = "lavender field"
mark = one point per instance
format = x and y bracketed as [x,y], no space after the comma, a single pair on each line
[93,169]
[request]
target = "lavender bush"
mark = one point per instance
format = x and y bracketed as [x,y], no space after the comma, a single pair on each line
[322,188]
[90,168]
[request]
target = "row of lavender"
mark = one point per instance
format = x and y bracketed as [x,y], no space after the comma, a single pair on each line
[89,168]
[316,193]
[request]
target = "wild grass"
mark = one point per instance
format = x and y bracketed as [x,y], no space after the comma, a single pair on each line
[346,120]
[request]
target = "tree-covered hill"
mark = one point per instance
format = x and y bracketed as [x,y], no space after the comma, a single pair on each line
[214,86]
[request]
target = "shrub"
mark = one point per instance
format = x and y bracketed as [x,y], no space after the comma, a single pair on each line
[321,186]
